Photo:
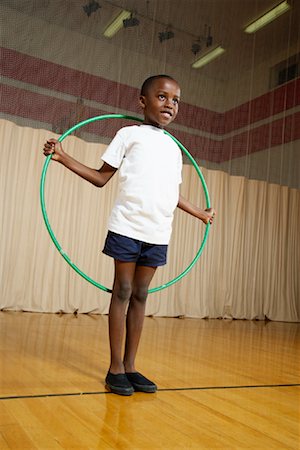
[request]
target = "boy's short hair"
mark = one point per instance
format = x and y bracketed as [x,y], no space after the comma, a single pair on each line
[149,81]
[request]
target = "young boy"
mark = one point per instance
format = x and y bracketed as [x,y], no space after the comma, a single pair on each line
[140,225]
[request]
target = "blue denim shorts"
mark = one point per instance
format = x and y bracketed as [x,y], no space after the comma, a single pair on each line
[123,248]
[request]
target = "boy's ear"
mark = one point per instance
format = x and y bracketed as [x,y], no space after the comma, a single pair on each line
[142,101]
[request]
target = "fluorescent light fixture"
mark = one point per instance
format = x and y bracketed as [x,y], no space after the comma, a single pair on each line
[208,57]
[116,24]
[268,17]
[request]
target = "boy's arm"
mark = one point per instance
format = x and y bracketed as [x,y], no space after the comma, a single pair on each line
[207,215]
[97,177]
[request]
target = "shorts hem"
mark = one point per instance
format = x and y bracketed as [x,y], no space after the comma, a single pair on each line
[125,249]
[116,258]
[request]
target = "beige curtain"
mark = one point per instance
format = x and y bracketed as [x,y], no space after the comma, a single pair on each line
[249,268]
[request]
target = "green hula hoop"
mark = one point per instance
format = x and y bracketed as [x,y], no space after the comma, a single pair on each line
[58,246]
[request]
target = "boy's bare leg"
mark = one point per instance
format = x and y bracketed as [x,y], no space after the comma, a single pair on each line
[136,314]
[122,289]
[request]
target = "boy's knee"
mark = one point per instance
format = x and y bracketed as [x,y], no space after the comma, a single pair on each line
[123,291]
[140,293]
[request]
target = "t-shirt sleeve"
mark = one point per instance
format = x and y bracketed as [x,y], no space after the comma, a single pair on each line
[115,151]
[179,165]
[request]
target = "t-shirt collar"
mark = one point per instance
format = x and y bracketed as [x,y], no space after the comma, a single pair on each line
[151,127]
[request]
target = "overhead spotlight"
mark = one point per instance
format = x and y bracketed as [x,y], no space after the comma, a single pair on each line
[165,35]
[205,39]
[209,38]
[209,41]
[196,47]
[132,21]
[91,7]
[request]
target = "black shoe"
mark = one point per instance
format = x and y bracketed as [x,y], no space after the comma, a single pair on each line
[118,384]
[141,383]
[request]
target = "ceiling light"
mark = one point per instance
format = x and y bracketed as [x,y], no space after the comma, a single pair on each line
[131,22]
[116,24]
[204,39]
[165,35]
[208,57]
[268,17]
[196,47]
[91,7]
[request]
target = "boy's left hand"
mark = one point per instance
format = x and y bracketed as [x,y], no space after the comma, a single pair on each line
[206,215]
[209,216]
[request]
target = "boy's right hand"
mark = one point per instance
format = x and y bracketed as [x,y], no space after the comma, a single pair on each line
[54,148]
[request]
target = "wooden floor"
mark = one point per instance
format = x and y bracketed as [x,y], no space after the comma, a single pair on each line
[222,384]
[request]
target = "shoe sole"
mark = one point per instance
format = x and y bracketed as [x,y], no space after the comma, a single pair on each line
[144,388]
[119,391]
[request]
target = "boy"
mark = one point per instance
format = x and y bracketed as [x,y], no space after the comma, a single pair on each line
[140,224]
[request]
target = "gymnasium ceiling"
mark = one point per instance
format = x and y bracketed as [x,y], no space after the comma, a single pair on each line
[187,19]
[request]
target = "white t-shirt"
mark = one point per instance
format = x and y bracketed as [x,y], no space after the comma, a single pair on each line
[150,165]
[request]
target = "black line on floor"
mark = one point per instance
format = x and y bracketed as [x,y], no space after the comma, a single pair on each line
[63,394]
[210,388]
[200,388]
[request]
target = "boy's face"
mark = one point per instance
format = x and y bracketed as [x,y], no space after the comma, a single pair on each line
[160,103]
